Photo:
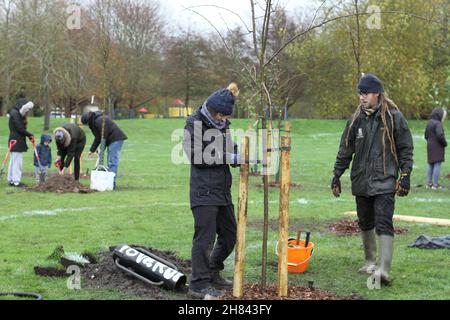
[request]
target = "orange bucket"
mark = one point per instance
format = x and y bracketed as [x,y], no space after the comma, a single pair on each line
[298,256]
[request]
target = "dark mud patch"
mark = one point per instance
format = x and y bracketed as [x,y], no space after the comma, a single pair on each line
[275,185]
[350,228]
[50,272]
[312,225]
[253,292]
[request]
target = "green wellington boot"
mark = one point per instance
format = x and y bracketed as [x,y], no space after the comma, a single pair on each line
[370,251]
[386,244]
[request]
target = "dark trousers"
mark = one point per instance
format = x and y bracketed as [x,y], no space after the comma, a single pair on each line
[76,164]
[209,222]
[376,212]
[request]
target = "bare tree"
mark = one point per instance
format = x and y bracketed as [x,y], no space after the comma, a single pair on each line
[73,72]
[102,17]
[137,29]
[41,22]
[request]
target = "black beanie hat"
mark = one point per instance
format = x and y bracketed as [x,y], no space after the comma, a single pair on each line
[370,83]
[222,101]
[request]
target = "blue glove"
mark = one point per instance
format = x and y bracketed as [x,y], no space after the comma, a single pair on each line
[235,158]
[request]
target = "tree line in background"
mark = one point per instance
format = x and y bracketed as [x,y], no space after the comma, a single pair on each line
[127,56]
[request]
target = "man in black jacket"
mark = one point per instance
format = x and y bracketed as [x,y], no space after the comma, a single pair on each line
[378,141]
[208,145]
[114,138]
[18,132]
[70,141]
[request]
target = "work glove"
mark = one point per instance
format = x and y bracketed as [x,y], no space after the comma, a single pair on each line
[336,186]
[58,162]
[61,173]
[403,185]
[32,139]
[234,158]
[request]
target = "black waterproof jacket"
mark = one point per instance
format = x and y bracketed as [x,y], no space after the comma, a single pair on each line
[68,151]
[112,131]
[370,174]
[18,128]
[435,136]
[210,181]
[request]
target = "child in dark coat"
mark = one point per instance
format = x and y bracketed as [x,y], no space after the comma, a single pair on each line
[45,156]
[436,144]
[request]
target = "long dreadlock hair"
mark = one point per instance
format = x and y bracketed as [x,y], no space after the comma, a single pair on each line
[386,105]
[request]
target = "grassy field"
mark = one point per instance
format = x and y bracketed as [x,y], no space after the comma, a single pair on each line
[151,207]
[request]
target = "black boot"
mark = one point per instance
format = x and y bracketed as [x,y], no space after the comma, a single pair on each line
[208,293]
[219,282]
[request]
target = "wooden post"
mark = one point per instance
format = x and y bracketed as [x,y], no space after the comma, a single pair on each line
[238,283]
[284,216]
[266,208]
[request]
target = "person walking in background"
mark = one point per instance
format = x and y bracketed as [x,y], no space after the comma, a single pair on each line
[114,138]
[436,144]
[379,144]
[210,191]
[18,131]
[45,158]
[70,141]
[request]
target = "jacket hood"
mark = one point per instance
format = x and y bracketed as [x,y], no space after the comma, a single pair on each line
[97,114]
[20,103]
[87,117]
[437,114]
[46,138]
[67,136]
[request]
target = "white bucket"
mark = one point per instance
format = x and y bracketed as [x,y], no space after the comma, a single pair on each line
[102,179]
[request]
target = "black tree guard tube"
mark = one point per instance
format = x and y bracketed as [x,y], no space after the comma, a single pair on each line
[35,296]
[149,266]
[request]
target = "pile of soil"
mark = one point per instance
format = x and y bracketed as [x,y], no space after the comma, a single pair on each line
[61,184]
[253,292]
[350,228]
[83,176]
[105,275]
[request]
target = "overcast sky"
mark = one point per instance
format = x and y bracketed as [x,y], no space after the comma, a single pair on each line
[179,16]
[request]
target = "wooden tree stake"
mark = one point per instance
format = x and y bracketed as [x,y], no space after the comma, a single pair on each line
[238,283]
[284,217]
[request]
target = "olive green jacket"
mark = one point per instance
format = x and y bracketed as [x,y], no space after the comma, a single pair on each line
[370,174]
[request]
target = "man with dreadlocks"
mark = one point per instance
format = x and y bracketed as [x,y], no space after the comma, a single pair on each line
[378,141]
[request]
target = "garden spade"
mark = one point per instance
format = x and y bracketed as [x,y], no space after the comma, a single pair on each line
[41,169]
[12,143]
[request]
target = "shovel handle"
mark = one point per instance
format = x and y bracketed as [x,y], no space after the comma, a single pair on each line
[33,142]
[12,143]
[299,234]
[308,235]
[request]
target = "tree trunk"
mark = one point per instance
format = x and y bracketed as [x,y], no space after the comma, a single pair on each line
[46,109]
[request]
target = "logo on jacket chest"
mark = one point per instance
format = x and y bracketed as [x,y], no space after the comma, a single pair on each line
[360,134]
